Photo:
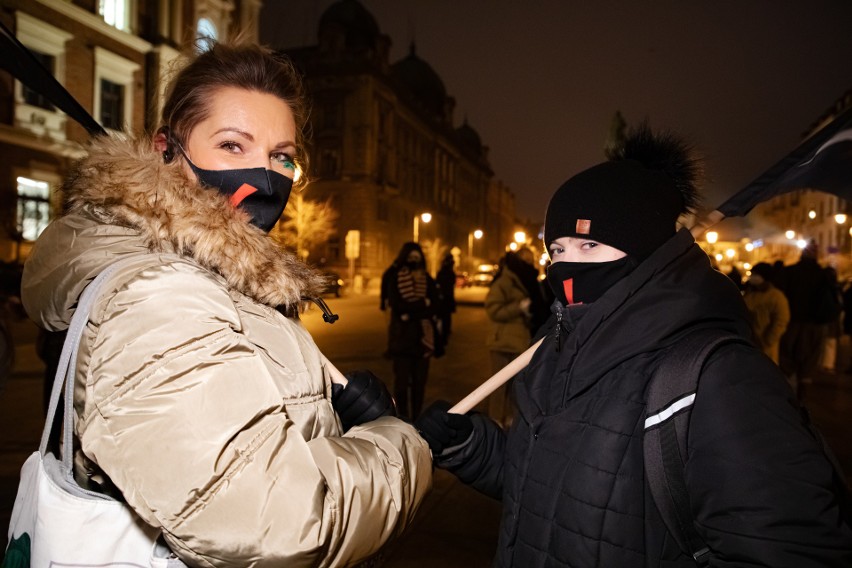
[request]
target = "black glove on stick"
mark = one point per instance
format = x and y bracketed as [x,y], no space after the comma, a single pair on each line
[364,398]
[441,429]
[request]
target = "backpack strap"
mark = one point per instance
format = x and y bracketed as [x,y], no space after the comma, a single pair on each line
[671,394]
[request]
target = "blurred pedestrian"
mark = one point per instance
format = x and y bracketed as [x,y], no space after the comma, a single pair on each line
[411,296]
[768,310]
[539,304]
[632,293]
[446,305]
[200,404]
[508,306]
[813,306]
[834,328]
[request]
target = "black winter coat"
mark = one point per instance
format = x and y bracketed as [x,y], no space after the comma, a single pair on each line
[570,470]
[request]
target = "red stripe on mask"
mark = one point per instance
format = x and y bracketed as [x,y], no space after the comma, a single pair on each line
[568,287]
[244,191]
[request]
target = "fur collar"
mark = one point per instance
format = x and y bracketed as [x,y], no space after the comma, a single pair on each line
[125,182]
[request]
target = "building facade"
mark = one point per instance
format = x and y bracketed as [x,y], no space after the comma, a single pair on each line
[111,56]
[385,150]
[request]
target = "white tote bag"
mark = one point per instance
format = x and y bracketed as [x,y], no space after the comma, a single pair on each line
[55,522]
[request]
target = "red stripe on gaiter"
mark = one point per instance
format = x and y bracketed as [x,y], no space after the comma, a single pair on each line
[568,286]
[244,191]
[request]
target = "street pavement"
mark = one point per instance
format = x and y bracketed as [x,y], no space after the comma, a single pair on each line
[455,526]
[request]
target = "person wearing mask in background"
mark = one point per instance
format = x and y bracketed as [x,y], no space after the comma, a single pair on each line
[508,306]
[412,341]
[198,402]
[631,292]
[446,305]
[768,310]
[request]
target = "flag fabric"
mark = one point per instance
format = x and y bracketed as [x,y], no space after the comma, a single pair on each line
[823,162]
[20,62]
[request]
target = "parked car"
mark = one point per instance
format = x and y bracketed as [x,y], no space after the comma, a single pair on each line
[483,276]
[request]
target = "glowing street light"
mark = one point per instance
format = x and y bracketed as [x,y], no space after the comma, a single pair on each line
[811,214]
[712,237]
[477,234]
[730,253]
[425,217]
[840,218]
[790,235]
[520,237]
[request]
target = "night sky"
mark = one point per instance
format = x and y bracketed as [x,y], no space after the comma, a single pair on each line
[540,80]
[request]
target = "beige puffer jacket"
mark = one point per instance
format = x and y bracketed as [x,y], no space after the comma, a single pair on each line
[206,408]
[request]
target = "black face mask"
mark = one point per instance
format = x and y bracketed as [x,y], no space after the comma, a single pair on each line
[413,264]
[260,192]
[585,282]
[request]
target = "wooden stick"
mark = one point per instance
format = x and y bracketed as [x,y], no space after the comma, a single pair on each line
[482,391]
[336,376]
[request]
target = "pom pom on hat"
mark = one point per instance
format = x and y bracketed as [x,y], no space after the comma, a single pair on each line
[631,202]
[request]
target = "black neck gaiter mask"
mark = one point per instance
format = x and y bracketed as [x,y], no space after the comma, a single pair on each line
[585,282]
[262,193]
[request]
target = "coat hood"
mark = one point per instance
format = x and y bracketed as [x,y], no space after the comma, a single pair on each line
[122,199]
[674,291]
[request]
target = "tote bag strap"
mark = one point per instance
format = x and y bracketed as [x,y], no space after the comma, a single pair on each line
[68,363]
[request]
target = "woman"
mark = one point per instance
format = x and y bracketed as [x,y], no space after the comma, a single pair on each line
[508,306]
[198,402]
[410,292]
[571,472]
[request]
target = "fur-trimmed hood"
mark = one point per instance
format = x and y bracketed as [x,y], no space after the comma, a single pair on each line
[138,202]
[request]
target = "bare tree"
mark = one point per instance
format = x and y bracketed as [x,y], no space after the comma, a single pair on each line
[434,251]
[305,224]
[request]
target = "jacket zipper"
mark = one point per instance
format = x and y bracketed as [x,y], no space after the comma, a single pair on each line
[558,328]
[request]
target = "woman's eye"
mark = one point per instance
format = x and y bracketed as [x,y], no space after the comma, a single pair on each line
[231,147]
[285,160]
[556,250]
[589,245]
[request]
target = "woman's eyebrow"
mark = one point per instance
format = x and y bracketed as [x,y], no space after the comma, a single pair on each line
[242,133]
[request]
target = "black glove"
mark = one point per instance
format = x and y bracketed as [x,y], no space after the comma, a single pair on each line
[364,398]
[442,429]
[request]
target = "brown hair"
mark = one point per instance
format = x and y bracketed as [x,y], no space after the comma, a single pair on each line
[246,66]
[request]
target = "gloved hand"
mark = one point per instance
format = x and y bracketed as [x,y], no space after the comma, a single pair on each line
[443,430]
[364,398]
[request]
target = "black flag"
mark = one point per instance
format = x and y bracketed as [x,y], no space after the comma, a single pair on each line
[822,162]
[20,62]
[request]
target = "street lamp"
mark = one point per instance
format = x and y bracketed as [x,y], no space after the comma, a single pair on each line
[425,217]
[520,237]
[712,237]
[477,234]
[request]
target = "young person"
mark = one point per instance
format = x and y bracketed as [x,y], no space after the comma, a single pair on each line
[197,402]
[571,471]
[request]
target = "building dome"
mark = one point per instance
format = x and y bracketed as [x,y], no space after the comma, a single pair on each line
[358,25]
[418,77]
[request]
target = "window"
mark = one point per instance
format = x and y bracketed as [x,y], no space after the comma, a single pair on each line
[116,13]
[32,97]
[33,111]
[33,207]
[213,19]
[113,89]
[112,105]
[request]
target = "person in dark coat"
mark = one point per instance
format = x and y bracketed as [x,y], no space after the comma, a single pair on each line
[446,307]
[410,294]
[570,469]
[813,306]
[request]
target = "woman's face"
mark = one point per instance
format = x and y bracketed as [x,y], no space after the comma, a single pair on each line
[573,249]
[244,129]
[414,256]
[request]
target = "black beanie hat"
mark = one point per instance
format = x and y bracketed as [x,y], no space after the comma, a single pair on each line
[631,202]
